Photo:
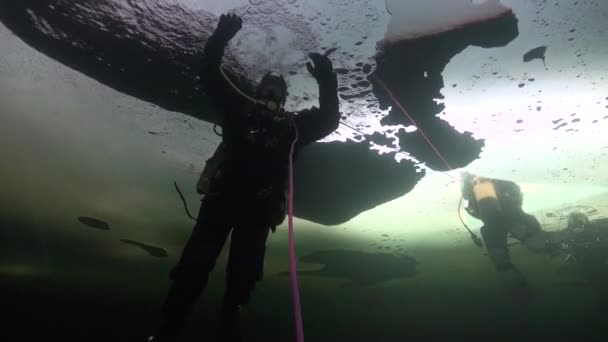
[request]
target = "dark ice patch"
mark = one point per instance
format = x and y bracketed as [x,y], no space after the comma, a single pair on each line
[102,45]
[128,58]
[168,57]
[457,149]
[536,53]
[341,71]
[415,80]
[152,250]
[337,181]
[93,222]
[363,84]
[360,268]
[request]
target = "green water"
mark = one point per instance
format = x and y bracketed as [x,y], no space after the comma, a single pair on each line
[67,289]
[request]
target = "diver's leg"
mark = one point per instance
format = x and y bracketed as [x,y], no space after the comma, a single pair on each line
[260,253]
[494,233]
[247,249]
[495,240]
[509,277]
[191,273]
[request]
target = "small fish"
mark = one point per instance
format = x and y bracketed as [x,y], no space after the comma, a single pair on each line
[536,53]
[93,222]
[152,250]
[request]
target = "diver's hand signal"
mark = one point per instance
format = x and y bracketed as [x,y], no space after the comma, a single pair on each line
[322,68]
[228,26]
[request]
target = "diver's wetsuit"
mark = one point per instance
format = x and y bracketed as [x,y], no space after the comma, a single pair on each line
[503,217]
[248,198]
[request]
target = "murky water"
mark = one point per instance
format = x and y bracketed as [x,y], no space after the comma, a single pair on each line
[100,111]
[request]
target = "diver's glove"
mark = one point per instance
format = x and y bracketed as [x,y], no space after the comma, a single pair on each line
[228,26]
[322,70]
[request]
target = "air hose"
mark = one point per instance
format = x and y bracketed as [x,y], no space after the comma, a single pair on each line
[474,236]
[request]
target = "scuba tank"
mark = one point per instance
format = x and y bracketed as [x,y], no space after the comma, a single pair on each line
[507,193]
[483,188]
[477,188]
[212,171]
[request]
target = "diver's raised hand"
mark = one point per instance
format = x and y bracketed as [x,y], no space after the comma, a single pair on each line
[323,69]
[228,26]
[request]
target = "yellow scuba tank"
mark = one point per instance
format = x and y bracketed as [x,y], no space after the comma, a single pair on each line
[483,188]
[474,189]
[477,188]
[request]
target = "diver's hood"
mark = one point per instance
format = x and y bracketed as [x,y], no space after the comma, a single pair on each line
[272,87]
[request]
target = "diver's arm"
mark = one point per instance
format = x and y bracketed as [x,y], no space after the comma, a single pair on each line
[316,123]
[215,86]
[219,91]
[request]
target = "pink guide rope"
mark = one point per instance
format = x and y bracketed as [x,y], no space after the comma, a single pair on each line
[297,309]
[390,93]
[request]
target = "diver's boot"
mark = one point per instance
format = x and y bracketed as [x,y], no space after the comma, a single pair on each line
[155,338]
[514,283]
[168,331]
[162,335]
[229,328]
[174,315]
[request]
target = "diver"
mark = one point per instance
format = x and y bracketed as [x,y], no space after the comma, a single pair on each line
[245,182]
[587,243]
[499,205]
